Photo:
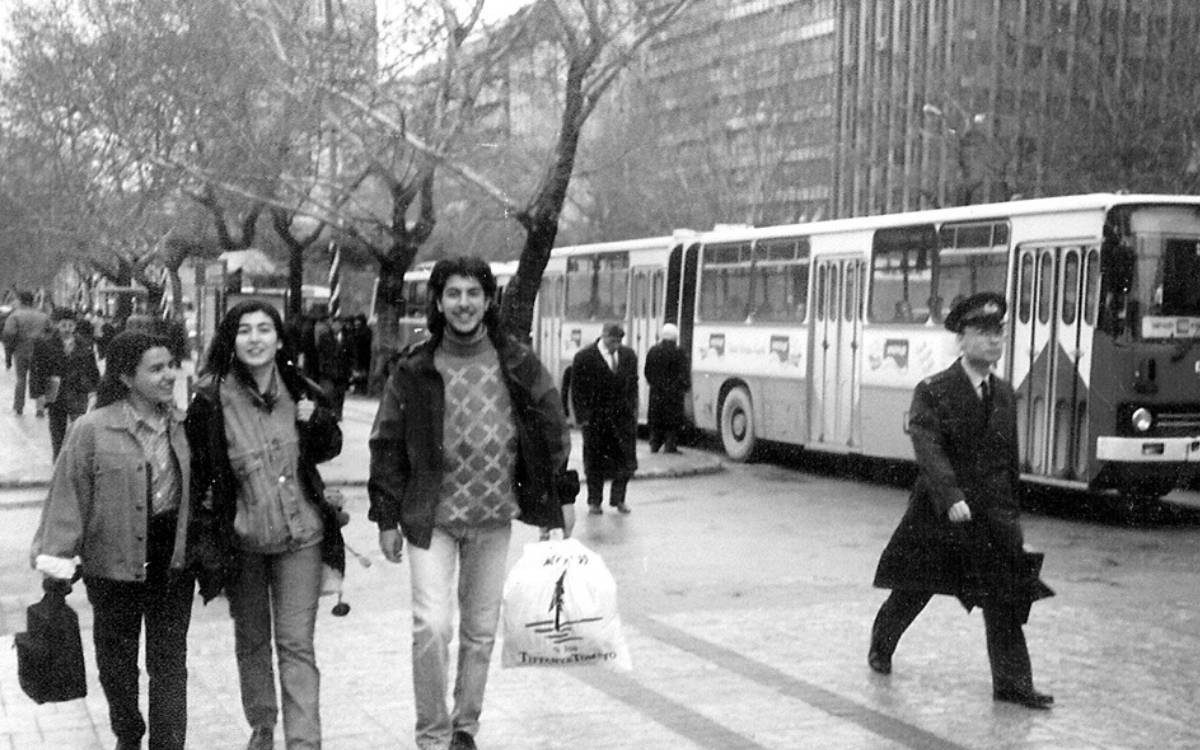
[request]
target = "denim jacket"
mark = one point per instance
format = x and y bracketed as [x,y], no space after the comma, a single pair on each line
[98,504]
[216,559]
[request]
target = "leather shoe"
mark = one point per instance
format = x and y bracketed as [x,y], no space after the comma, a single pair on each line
[1027,698]
[462,741]
[879,663]
[595,510]
[262,738]
[623,509]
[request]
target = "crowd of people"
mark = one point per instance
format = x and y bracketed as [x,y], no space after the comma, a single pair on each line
[149,504]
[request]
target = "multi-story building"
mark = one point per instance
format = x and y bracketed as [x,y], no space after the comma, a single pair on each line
[746,94]
[825,108]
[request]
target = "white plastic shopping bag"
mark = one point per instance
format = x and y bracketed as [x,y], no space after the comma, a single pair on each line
[560,609]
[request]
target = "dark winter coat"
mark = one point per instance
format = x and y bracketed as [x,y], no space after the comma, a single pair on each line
[77,371]
[606,407]
[966,454]
[667,372]
[214,557]
[407,443]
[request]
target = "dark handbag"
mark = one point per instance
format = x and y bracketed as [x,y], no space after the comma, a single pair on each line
[50,651]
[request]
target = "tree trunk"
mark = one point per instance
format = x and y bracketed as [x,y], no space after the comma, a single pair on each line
[541,222]
[386,342]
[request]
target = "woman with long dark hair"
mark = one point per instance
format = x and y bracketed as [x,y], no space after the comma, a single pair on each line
[130,528]
[258,428]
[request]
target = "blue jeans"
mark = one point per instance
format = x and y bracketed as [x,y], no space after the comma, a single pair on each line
[479,555]
[280,591]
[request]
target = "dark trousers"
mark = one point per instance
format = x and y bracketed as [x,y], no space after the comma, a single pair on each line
[595,489]
[1007,651]
[663,437]
[60,417]
[164,601]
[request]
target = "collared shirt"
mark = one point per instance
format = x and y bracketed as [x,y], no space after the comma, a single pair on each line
[977,381]
[611,356]
[153,435]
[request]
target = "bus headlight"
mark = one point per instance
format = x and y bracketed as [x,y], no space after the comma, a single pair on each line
[1142,419]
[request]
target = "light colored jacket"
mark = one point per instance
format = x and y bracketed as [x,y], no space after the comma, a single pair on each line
[99,497]
[23,327]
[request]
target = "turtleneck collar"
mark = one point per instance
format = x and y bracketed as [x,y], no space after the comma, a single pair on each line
[456,344]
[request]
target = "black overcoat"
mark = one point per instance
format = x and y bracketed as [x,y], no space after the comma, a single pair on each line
[667,374]
[963,453]
[605,403]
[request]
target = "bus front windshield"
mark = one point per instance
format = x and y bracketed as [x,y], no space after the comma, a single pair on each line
[1157,289]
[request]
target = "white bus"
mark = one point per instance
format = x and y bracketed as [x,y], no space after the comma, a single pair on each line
[815,334]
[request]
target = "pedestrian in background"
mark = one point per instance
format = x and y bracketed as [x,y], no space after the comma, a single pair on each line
[670,378]
[469,435]
[359,335]
[961,534]
[604,396]
[63,374]
[120,500]
[23,328]
[258,428]
[325,358]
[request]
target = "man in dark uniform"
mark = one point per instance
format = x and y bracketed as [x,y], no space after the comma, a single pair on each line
[961,534]
[669,379]
[604,395]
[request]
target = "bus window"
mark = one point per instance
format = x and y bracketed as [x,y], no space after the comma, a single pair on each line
[799,291]
[972,258]
[612,286]
[579,287]
[1180,277]
[1025,288]
[819,303]
[780,280]
[725,283]
[851,295]
[1091,294]
[414,299]
[902,274]
[1070,287]
[1045,288]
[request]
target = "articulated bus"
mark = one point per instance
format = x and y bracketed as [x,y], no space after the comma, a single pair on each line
[815,334]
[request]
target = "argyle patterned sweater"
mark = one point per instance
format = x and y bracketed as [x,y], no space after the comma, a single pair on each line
[479,436]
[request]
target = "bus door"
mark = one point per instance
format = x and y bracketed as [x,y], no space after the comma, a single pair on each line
[646,285]
[835,418]
[1051,349]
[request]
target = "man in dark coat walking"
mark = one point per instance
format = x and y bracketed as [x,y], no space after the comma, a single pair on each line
[669,379]
[961,535]
[604,395]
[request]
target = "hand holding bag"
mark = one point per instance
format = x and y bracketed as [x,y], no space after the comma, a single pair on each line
[50,651]
[560,609]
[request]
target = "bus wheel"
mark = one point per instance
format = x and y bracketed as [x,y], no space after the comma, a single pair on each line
[737,425]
